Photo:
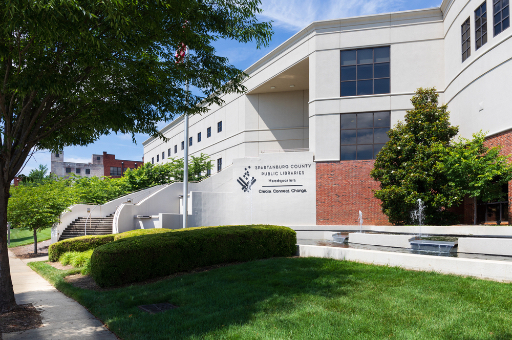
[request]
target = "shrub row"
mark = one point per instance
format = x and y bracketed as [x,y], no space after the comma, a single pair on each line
[140,258]
[140,232]
[81,243]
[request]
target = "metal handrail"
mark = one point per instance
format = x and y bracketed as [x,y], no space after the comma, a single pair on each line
[90,213]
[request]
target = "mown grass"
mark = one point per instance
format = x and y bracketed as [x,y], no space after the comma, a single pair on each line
[303,298]
[22,237]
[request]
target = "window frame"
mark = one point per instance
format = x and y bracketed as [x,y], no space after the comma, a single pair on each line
[190,141]
[357,128]
[116,171]
[209,132]
[169,152]
[219,127]
[466,29]
[359,66]
[219,164]
[77,171]
[68,170]
[501,20]
[87,171]
[157,158]
[175,148]
[199,137]
[481,27]
[182,145]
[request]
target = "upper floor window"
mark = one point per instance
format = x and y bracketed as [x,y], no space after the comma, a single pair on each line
[365,71]
[363,134]
[182,145]
[98,158]
[163,155]
[157,159]
[208,132]
[466,39]
[152,160]
[189,141]
[169,152]
[219,164]
[57,155]
[501,16]
[116,171]
[480,26]
[68,170]
[219,126]
[87,171]
[77,170]
[199,137]
[176,148]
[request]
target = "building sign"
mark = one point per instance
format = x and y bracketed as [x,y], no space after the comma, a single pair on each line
[287,178]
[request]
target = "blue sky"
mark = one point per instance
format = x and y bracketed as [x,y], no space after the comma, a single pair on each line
[288,16]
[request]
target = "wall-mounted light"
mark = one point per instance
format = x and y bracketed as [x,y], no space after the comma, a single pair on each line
[272,87]
[292,85]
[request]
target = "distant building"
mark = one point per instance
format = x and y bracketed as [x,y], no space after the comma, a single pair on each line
[101,165]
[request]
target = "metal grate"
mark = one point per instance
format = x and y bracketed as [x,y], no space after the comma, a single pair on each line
[157,307]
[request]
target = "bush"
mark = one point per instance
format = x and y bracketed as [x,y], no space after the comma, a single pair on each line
[81,243]
[78,260]
[137,259]
[140,232]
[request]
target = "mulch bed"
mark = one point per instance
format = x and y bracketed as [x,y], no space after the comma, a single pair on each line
[22,318]
[27,252]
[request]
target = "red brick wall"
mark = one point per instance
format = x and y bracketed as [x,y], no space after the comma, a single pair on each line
[110,160]
[344,188]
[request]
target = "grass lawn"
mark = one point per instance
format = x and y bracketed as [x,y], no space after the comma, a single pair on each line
[21,237]
[303,298]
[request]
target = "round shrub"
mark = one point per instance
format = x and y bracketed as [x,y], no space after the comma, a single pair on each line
[137,259]
[81,243]
[140,232]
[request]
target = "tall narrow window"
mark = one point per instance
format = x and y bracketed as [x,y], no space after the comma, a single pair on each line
[219,164]
[189,141]
[163,155]
[365,71]
[363,134]
[169,152]
[208,132]
[480,26]
[152,160]
[219,126]
[182,145]
[176,148]
[466,39]
[501,16]
[199,137]
[157,159]
[87,171]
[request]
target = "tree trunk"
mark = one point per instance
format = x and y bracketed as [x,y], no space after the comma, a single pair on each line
[35,241]
[7,301]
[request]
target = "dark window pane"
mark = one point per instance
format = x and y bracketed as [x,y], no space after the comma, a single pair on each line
[381,119]
[365,152]
[506,23]
[478,22]
[381,70]
[365,136]
[380,135]
[477,12]
[348,57]
[365,56]
[348,73]
[364,72]
[497,29]
[381,54]
[484,39]
[364,87]
[348,152]
[364,120]
[505,12]
[348,88]
[497,6]
[497,17]
[348,121]
[348,137]
[382,86]
[376,149]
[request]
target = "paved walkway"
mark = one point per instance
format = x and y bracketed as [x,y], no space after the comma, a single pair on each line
[63,317]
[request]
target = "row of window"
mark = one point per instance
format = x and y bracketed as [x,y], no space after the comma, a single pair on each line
[114,171]
[501,21]
[190,141]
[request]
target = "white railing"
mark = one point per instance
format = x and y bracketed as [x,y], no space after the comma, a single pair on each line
[89,219]
[285,150]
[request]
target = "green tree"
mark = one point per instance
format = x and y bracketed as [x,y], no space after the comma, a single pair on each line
[36,176]
[420,162]
[73,70]
[38,207]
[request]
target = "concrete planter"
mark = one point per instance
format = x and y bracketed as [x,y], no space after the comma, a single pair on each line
[395,241]
[489,246]
[433,246]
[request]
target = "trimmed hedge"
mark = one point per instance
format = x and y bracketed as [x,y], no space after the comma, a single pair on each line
[137,259]
[81,243]
[140,232]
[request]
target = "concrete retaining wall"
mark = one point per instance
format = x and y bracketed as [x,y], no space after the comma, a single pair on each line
[483,269]
[395,241]
[489,246]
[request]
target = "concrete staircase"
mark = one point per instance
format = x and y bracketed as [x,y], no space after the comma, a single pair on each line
[95,226]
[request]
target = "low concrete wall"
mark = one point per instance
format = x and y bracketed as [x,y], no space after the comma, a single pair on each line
[395,241]
[315,235]
[489,246]
[467,230]
[482,269]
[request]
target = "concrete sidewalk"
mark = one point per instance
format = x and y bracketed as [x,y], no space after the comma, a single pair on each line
[63,317]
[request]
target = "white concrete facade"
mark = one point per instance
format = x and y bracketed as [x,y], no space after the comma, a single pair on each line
[294,102]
